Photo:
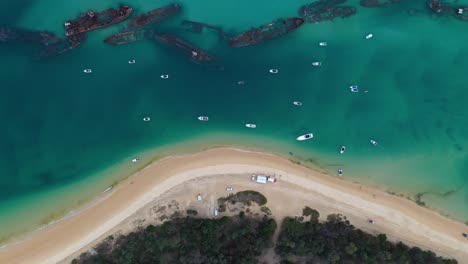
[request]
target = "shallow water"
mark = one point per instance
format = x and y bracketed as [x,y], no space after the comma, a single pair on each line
[62,126]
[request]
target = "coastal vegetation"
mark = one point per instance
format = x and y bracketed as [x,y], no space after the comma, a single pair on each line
[189,240]
[243,239]
[337,241]
[245,197]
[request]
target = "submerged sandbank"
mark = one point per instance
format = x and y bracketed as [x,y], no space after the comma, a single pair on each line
[62,239]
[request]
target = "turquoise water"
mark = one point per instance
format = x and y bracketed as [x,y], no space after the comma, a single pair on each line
[62,129]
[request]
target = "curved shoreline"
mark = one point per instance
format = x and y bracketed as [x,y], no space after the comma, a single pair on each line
[61,239]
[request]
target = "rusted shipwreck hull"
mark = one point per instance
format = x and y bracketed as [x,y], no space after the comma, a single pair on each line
[198,27]
[91,20]
[446,9]
[154,16]
[377,3]
[130,36]
[266,32]
[195,54]
[318,6]
[13,35]
[63,46]
[330,14]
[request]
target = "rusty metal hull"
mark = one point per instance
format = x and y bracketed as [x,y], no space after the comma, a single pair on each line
[130,36]
[377,3]
[63,46]
[266,32]
[330,14]
[155,16]
[195,54]
[198,27]
[318,6]
[445,9]
[10,34]
[91,21]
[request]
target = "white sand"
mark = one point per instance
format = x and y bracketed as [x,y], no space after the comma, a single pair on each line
[298,186]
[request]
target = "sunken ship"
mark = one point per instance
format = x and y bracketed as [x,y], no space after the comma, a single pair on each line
[11,34]
[94,20]
[446,9]
[329,14]
[154,16]
[318,6]
[62,46]
[130,36]
[266,32]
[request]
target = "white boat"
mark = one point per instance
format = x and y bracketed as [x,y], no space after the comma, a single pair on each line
[368,36]
[297,103]
[131,61]
[241,82]
[316,63]
[87,71]
[108,189]
[323,44]
[354,88]
[135,160]
[373,142]
[305,137]
[273,70]
[203,118]
[164,76]
[340,172]
[147,119]
[342,150]
[251,125]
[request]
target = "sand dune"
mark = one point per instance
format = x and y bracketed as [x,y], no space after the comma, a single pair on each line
[217,168]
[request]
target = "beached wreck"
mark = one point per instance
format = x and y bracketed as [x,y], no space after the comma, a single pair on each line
[94,20]
[198,27]
[10,34]
[62,46]
[446,9]
[195,54]
[154,16]
[330,14]
[130,36]
[266,32]
[377,3]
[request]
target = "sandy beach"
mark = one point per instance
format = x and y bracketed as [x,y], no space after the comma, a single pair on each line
[179,179]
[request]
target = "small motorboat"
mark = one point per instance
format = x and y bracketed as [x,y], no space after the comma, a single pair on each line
[164,76]
[305,137]
[354,88]
[108,189]
[340,172]
[87,71]
[297,103]
[251,125]
[203,118]
[373,142]
[368,36]
[131,61]
[342,150]
[135,160]
[316,63]
[241,82]
[323,44]
[273,70]
[147,119]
